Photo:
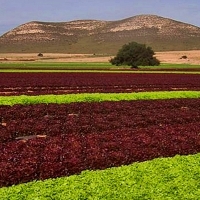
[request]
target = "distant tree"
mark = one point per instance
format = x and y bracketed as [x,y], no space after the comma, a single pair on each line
[134,55]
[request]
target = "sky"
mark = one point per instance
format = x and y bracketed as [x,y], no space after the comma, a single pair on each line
[16,12]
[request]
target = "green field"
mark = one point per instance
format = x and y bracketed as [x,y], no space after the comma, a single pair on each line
[56,65]
[88,66]
[166,66]
[103,67]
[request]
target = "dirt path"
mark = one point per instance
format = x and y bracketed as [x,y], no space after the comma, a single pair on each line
[193,57]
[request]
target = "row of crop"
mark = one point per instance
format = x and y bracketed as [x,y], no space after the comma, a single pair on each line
[77,79]
[60,65]
[55,83]
[96,97]
[79,136]
[165,178]
[33,91]
[64,155]
[84,118]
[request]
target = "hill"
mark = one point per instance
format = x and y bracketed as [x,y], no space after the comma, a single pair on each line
[101,37]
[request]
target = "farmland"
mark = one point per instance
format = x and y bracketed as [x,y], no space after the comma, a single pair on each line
[133,119]
[82,136]
[75,82]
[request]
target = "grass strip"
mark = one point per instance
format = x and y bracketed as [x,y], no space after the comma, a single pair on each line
[96,97]
[95,71]
[38,64]
[172,66]
[159,179]
[101,67]
[54,64]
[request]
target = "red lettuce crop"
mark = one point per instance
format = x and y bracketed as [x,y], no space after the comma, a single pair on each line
[45,141]
[65,83]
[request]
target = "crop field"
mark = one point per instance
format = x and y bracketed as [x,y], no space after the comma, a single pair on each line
[66,83]
[73,124]
[88,66]
[59,66]
[45,141]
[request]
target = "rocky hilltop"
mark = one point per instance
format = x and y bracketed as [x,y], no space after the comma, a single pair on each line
[95,36]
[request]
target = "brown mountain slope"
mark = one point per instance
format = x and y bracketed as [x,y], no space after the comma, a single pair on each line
[93,36]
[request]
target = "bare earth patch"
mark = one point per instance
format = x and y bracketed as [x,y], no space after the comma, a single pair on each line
[193,57]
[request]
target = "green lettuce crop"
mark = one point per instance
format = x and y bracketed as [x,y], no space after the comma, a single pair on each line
[96,97]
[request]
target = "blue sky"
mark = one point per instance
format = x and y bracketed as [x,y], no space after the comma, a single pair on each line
[16,12]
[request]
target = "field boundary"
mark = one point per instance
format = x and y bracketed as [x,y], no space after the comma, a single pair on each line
[98,71]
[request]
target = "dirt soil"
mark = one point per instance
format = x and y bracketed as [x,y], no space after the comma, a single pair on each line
[193,57]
